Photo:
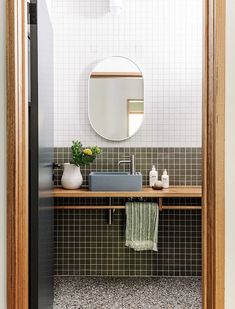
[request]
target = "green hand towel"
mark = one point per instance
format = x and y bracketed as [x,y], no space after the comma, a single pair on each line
[142,225]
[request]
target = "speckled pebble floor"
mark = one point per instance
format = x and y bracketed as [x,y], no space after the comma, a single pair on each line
[127,293]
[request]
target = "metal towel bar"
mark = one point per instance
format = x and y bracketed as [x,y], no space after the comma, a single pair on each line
[112,208]
[169,207]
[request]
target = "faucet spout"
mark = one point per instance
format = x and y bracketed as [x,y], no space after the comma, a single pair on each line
[131,161]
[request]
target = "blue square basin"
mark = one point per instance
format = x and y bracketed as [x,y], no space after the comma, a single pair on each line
[114,181]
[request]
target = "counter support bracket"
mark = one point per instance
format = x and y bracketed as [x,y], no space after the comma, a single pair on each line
[111,211]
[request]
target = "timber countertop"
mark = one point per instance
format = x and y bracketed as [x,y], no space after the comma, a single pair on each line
[179,191]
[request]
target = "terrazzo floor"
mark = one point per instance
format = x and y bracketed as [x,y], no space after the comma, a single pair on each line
[127,293]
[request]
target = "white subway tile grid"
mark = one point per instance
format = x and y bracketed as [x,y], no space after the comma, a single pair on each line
[163,37]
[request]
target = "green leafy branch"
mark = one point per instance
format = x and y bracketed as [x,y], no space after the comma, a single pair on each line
[83,155]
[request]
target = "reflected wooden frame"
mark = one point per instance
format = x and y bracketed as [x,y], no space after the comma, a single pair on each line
[116,74]
[213,155]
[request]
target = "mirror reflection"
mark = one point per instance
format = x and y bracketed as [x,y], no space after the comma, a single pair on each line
[116,98]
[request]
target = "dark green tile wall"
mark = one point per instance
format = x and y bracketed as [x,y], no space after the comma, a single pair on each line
[183,164]
[85,245]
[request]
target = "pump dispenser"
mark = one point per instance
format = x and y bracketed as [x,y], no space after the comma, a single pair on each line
[153,176]
[165,179]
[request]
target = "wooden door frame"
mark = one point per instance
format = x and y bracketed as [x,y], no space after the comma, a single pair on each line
[213,215]
[213,155]
[17,155]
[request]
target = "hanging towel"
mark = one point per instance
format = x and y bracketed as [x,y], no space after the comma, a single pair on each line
[142,225]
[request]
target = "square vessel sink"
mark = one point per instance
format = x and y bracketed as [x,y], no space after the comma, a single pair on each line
[114,181]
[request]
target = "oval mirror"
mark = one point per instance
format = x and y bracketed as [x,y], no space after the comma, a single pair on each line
[116,98]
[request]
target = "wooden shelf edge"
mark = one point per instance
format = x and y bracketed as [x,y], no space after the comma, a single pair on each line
[180,191]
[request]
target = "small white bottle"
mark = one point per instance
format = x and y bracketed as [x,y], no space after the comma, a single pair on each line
[165,179]
[153,176]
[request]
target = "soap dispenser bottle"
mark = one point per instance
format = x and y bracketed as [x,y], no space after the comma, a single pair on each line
[153,176]
[165,179]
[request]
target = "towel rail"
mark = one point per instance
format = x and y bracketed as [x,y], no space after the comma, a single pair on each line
[166,207]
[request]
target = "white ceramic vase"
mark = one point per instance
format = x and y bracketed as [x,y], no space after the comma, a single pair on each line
[72,177]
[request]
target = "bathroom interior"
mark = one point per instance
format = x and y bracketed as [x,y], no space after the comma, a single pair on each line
[116,87]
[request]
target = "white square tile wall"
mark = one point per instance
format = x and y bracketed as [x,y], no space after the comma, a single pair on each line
[164,38]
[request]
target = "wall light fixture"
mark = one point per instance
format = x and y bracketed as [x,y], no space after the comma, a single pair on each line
[115,7]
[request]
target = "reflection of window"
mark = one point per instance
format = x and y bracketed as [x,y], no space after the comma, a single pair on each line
[135,115]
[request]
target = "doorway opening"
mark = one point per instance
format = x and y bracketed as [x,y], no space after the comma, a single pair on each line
[213,154]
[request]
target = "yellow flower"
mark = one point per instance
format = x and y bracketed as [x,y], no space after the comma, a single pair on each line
[87,151]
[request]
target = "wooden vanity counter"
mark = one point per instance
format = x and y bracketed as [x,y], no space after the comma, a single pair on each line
[179,191]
